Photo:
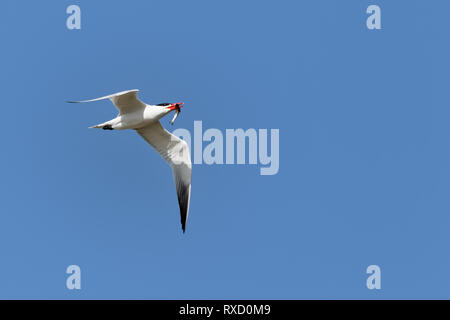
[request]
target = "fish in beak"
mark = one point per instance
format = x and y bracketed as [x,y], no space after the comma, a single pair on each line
[177,107]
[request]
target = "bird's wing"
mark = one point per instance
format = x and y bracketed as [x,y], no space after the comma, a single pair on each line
[176,152]
[125,101]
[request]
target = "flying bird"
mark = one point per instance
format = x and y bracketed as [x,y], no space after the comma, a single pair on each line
[135,114]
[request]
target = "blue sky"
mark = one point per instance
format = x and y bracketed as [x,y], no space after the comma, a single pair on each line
[364,150]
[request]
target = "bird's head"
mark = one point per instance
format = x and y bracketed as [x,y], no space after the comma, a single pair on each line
[172,106]
[175,106]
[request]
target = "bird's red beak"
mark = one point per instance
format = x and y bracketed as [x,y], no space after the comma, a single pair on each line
[174,106]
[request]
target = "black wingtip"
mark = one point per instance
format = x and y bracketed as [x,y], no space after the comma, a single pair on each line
[183,202]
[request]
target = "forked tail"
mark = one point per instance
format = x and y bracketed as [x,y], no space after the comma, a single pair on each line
[104,126]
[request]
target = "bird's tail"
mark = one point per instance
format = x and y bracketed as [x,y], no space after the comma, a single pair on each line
[105,126]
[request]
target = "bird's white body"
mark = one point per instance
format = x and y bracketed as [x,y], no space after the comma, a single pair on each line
[144,118]
[137,119]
